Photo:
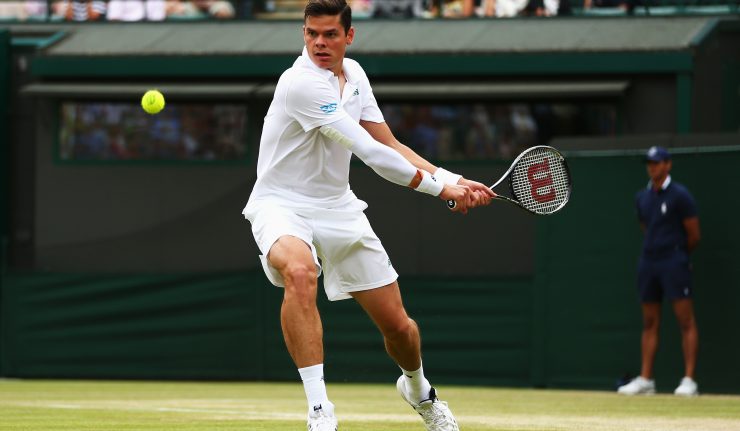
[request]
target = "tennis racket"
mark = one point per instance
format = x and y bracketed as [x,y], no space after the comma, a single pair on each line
[539,181]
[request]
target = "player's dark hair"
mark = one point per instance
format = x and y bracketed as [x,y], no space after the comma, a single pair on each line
[330,7]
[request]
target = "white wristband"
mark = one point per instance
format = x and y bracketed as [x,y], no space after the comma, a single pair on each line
[446,177]
[429,184]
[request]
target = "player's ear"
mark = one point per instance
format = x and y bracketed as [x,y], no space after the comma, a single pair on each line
[350,35]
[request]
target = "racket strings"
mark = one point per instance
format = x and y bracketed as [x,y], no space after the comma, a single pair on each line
[540,181]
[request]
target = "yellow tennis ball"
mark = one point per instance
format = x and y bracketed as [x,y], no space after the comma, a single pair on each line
[152,102]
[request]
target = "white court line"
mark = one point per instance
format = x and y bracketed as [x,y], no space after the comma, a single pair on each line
[508,421]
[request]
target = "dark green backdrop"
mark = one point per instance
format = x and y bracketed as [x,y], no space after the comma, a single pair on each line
[586,272]
[575,323]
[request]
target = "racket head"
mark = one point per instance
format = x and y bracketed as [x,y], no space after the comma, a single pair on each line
[540,180]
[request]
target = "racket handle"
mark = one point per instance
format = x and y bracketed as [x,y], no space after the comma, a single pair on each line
[451,204]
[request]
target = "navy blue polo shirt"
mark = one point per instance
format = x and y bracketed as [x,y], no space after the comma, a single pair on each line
[663,213]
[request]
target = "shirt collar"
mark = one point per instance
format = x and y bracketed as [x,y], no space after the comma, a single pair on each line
[665,185]
[306,60]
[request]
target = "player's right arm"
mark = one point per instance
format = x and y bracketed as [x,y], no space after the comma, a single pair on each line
[313,102]
[380,131]
[390,164]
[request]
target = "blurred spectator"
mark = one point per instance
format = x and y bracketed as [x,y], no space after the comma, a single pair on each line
[505,132]
[486,131]
[220,9]
[37,9]
[621,4]
[508,8]
[486,8]
[13,10]
[547,8]
[362,8]
[246,8]
[479,140]
[20,10]
[79,10]
[452,8]
[395,8]
[424,135]
[524,125]
[136,10]
[116,131]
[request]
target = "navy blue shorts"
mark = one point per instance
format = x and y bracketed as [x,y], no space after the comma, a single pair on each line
[669,279]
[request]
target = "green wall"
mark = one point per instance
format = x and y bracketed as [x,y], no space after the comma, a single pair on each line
[226,326]
[575,323]
[4,172]
[587,271]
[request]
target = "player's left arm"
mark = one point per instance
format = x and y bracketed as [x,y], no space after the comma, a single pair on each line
[382,133]
[693,232]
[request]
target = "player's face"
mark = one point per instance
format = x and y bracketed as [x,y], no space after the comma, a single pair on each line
[658,170]
[326,41]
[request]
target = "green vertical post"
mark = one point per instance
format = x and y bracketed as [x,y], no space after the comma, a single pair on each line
[684,101]
[538,348]
[4,180]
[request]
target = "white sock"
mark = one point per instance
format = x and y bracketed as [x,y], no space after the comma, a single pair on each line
[417,386]
[313,384]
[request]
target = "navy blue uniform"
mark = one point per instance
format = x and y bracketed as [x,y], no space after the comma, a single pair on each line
[664,269]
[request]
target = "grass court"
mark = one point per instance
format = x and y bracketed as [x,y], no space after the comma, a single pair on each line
[192,406]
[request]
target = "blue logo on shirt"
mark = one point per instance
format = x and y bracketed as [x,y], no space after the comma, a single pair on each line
[329,108]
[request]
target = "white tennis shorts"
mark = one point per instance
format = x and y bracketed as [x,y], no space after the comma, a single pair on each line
[352,257]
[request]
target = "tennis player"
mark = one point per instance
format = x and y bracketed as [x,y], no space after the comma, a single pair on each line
[306,219]
[668,216]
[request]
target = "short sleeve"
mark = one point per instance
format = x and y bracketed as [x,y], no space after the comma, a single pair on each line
[686,206]
[313,102]
[370,109]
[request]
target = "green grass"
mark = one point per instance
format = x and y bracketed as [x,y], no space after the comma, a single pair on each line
[185,406]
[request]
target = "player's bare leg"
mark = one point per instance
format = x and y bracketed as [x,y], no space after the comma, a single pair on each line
[301,325]
[403,344]
[650,327]
[400,332]
[684,309]
[299,315]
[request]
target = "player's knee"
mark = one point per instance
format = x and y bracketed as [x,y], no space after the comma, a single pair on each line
[401,328]
[299,273]
[300,282]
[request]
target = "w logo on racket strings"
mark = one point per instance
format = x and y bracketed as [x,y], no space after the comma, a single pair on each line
[540,178]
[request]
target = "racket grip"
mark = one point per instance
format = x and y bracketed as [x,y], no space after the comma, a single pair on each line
[451,204]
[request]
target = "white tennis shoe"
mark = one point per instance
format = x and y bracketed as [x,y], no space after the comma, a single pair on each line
[687,388]
[322,420]
[638,386]
[435,413]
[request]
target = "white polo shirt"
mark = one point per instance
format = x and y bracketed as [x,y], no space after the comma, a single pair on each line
[298,166]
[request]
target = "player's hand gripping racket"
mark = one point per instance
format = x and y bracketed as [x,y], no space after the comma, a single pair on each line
[539,181]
